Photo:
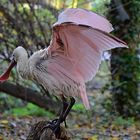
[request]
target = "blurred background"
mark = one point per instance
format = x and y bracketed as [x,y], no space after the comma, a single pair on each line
[114,93]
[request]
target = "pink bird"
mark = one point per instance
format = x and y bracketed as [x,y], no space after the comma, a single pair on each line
[73,57]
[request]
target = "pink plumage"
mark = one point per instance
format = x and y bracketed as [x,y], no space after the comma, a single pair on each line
[84,17]
[74,55]
[78,41]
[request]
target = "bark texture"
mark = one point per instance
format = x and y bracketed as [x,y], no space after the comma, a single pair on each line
[29,95]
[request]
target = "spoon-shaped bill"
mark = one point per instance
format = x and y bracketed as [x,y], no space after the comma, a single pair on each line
[6,74]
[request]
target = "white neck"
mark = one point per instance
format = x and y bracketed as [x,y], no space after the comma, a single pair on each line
[22,66]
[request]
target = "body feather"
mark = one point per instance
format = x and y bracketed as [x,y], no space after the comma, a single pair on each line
[74,55]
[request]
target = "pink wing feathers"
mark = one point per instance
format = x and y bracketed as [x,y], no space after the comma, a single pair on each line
[84,47]
[84,17]
[78,48]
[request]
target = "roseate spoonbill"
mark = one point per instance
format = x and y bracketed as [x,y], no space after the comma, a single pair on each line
[73,57]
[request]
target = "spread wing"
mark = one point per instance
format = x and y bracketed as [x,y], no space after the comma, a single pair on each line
[78,41]
[82,46]
[84,17]
[81,36]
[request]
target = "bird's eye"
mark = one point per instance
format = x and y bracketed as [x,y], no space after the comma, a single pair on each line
[13,56]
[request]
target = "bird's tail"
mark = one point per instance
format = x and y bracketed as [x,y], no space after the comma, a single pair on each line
[84,97]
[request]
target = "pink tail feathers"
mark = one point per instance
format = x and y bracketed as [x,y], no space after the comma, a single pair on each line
[84,97]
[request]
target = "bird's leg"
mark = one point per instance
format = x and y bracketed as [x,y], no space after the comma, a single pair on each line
[65,111]
[72,102]
[64,105]
[55,124]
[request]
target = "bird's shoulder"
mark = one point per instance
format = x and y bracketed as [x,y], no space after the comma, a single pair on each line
[38,58]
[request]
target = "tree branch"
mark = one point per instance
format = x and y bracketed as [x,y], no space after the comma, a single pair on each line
[13,23]
[29,95]
[42,3]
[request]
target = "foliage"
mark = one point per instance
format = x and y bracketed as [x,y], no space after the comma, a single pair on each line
[21,24]
[61,4]
[125,65]
[18,128]
[29,110]
[124,122]
[78,106]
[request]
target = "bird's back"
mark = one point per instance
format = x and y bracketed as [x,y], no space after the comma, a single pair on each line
[55,73]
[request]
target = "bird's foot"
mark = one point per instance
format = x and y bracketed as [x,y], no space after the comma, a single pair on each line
[54,125]
[64,121]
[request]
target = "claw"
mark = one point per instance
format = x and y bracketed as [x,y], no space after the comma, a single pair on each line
[65,124]
[54,126]
[55,121]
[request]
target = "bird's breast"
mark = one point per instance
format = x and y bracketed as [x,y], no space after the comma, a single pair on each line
[51,73]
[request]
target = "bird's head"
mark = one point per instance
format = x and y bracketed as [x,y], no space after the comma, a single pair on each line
[17,53]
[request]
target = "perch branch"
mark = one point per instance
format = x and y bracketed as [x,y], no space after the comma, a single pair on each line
[29,95]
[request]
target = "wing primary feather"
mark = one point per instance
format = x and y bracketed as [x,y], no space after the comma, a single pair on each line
[112,36]
[84,17]
[87,26]
[77,46]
